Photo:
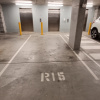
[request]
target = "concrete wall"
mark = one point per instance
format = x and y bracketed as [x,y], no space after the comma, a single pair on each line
[90,17]
[65,15]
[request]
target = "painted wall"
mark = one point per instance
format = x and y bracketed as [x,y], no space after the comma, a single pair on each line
[65,18]
[91,12]
[40,11]
[11,17]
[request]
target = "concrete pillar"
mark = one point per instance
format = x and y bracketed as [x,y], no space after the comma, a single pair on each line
[77,22]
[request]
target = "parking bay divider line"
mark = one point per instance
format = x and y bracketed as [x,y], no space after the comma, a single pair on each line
[91,39]
[91,72]
[88,56]
[7,65]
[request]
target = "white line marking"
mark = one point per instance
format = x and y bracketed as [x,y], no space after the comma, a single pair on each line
[82,37]
[92,40]
[87,41]
[7,65]
[95,56]
[92,73]
[51,34]
[91,47]
[67,37]
[90,58]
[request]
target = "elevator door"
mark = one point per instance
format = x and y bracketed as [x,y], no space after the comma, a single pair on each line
[26,19]
[53,19]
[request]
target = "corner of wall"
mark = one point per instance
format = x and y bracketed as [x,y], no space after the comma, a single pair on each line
[90,17]
[2,16]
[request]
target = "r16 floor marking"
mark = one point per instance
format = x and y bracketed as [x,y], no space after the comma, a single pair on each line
[46,76]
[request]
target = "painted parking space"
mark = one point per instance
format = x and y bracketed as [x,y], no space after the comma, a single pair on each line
[47,67]
[11,44]
[24,81]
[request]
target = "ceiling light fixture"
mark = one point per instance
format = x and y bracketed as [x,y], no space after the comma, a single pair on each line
[23,4]
[54,5]
[89,5]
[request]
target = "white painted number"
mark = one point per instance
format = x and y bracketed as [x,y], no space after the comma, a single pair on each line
[42,77]
[53,76]
[61,76]
[46,76]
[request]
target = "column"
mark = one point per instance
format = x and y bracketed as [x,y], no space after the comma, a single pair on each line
[77,22]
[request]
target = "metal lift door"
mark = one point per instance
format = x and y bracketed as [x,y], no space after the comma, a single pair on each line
[26,19]
[53,19]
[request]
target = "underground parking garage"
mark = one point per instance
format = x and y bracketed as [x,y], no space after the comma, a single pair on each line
[47,50]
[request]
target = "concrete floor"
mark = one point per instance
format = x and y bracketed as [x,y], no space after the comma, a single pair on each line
[45,68]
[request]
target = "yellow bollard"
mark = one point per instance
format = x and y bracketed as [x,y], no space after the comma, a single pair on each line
[89,28]
[20,29]
[41,28]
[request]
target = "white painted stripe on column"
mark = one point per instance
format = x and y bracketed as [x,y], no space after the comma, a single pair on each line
[7,65]
[92,73]
[91,47]
[96,56]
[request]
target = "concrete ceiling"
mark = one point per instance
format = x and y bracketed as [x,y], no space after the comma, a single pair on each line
[65,2]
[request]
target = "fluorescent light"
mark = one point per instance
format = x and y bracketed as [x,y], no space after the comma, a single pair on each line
[89,3]
[89,6]
[54,5]
[22,4]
